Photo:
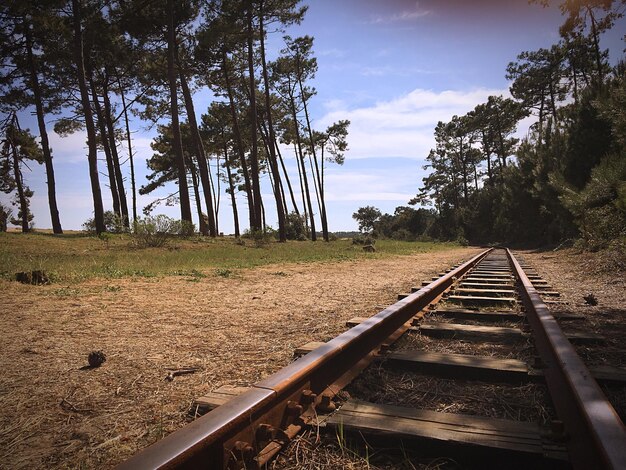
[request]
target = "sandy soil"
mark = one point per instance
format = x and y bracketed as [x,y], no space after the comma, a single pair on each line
[54,413]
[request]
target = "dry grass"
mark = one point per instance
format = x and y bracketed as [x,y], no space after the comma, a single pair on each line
[575,275]
[235,328]
[521,403]
[522,350]
[314,451]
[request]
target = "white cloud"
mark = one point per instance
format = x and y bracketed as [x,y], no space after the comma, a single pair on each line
[404,16]
[403,127]
[333,52]
[334,104]
[393,70]
[70,149]
[381,184]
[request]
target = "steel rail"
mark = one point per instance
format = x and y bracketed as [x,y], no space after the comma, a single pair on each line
[595,436]
[233,428]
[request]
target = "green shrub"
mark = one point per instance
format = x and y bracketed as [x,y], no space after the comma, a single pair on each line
[599,208]
[156,231]
[402,235]
[295,227]
[363,240]
[260,237]
[187,229]
[113,223]
[5,213]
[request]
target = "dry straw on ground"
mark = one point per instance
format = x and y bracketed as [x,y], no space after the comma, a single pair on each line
[235,329]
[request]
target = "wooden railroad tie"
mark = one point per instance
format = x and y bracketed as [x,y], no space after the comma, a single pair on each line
[481,300]
[483,368]
[486,333]
[494,333]
[522,439]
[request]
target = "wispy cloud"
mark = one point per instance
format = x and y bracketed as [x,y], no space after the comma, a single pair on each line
[403,16]
[380,185]
[334,53]
[385,70]
[70,149]
[403,127]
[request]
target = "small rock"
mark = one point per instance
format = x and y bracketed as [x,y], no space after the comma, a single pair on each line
[96,358]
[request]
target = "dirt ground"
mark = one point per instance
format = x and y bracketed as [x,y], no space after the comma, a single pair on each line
[236,328]
[576,276]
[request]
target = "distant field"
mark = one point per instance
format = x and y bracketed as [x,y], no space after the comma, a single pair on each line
[74,257]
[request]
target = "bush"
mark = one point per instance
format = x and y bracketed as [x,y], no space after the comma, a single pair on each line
[156,231]
[187,229]
[260,237]
[615,256]
[402,235]
[5,213]
[295,227]
[363,240]
[113,223]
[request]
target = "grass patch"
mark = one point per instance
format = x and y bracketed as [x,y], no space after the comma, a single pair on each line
[65,292]
[223,272]
[76,257]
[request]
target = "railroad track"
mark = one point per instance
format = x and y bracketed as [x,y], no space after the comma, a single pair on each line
[493,299]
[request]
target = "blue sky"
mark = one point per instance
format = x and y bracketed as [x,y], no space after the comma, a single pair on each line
[392,67]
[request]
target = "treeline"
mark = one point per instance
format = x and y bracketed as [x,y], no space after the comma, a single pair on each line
[565,179]
[98,63]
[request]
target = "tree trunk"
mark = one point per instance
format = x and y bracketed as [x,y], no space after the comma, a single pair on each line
[315,185]
[119,178]
[278,187]
[89,124]
[302,191]
[130,153]
[287,179]
[19,183]
[231,187]
[217,195]
[501,141]
[45,143]
[200,154]
[238,140]
[266,142]
[553,102]
[254,157]
[487,154]
[305,181]
[464,171]
[596,46]
[196,192]
[574,79]
[104,141]
[541,118]
[321,201]
[185,206]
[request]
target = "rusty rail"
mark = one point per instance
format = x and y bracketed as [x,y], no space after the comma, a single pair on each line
[594,433]
[266,416]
